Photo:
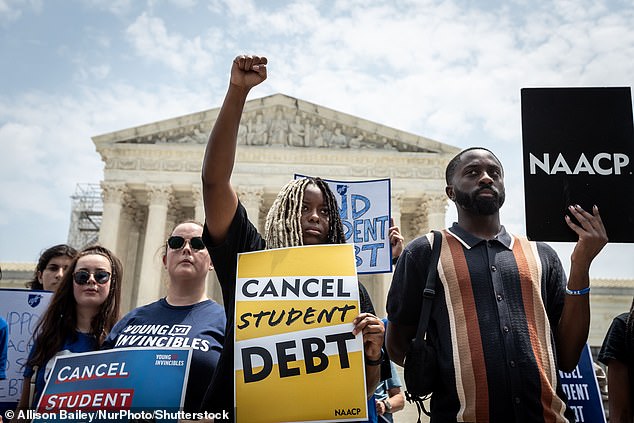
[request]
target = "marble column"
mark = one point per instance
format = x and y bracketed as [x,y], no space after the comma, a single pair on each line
[140,220]
[251,199]
[128,249]
[113,193]
[199,210]
[397,198]
[175,215]
[436,209]
[159,196]
[419,224]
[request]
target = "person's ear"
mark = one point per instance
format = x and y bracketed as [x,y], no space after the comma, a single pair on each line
[450,193]
[165,260]
[39,276]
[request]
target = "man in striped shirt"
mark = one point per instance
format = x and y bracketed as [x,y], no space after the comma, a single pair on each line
[504,318]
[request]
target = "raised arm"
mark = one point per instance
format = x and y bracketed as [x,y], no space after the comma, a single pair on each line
[574,324]
[219,197]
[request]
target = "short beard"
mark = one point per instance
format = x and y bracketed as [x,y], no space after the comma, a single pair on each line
[480,206]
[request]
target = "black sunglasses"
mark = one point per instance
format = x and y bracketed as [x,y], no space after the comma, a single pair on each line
[176,242]
[81,277]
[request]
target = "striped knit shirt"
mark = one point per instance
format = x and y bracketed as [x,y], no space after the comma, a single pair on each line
[492,324]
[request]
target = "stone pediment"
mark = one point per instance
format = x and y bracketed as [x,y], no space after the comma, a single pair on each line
[282,121]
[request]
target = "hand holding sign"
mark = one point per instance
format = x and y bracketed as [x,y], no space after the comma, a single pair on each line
[592,234]
[373,333]
[396,239]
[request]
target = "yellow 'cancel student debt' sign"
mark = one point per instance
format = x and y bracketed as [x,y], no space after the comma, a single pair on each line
[296,358]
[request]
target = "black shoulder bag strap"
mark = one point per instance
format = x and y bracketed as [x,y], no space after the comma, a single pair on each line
[430,289]
[428,298]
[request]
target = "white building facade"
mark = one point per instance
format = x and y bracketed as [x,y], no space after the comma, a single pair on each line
[152,178]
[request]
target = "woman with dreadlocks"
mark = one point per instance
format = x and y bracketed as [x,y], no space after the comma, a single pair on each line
[305,212]
[83,309]
[617,353]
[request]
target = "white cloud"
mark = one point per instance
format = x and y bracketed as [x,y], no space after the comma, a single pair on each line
[8,11]
[19,148]
[100,72]
[448,70]
[12,10]
[184,4]
[46,141]
[97,72]
[151,40]
[116,7]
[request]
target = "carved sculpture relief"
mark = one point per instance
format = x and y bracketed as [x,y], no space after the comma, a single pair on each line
[257,131]
[297,133]
[279,129]
[283,126]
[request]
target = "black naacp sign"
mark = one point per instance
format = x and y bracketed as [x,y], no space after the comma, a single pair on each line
[578,148]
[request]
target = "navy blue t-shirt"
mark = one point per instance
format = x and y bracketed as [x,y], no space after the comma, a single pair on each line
[200,327]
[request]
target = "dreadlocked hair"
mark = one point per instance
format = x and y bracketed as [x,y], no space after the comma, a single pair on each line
[283,226]
[59,322]
[629,337]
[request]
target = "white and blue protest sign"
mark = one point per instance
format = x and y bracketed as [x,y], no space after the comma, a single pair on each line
[582,390]
[22,309]
[364,207]
[118,384]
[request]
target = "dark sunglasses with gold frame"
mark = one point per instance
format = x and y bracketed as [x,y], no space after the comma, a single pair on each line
[176,242]
[82,277]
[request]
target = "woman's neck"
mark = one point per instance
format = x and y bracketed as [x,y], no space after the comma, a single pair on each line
[182,296]
[84,319]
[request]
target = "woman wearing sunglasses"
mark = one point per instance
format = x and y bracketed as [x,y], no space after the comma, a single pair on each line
[185,317]
[83,309]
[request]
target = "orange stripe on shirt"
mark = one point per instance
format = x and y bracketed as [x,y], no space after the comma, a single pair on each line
[471,364]
[529,268]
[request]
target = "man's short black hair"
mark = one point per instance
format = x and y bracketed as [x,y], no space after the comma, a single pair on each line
[453,163]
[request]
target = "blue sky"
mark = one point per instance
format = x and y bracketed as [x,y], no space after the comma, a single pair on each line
[448,70]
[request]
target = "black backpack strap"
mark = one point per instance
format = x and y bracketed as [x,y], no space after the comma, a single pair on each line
[429,291]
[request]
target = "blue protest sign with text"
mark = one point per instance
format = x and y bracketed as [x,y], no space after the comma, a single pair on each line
[21,308]
[582,390]
[120,381]
[364,207]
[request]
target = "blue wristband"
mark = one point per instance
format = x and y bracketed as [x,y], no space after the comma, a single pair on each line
[583,291]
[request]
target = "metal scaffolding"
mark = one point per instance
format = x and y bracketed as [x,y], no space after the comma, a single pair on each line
[86,214]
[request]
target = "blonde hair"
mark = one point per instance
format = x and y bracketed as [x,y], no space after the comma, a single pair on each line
[283,223]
